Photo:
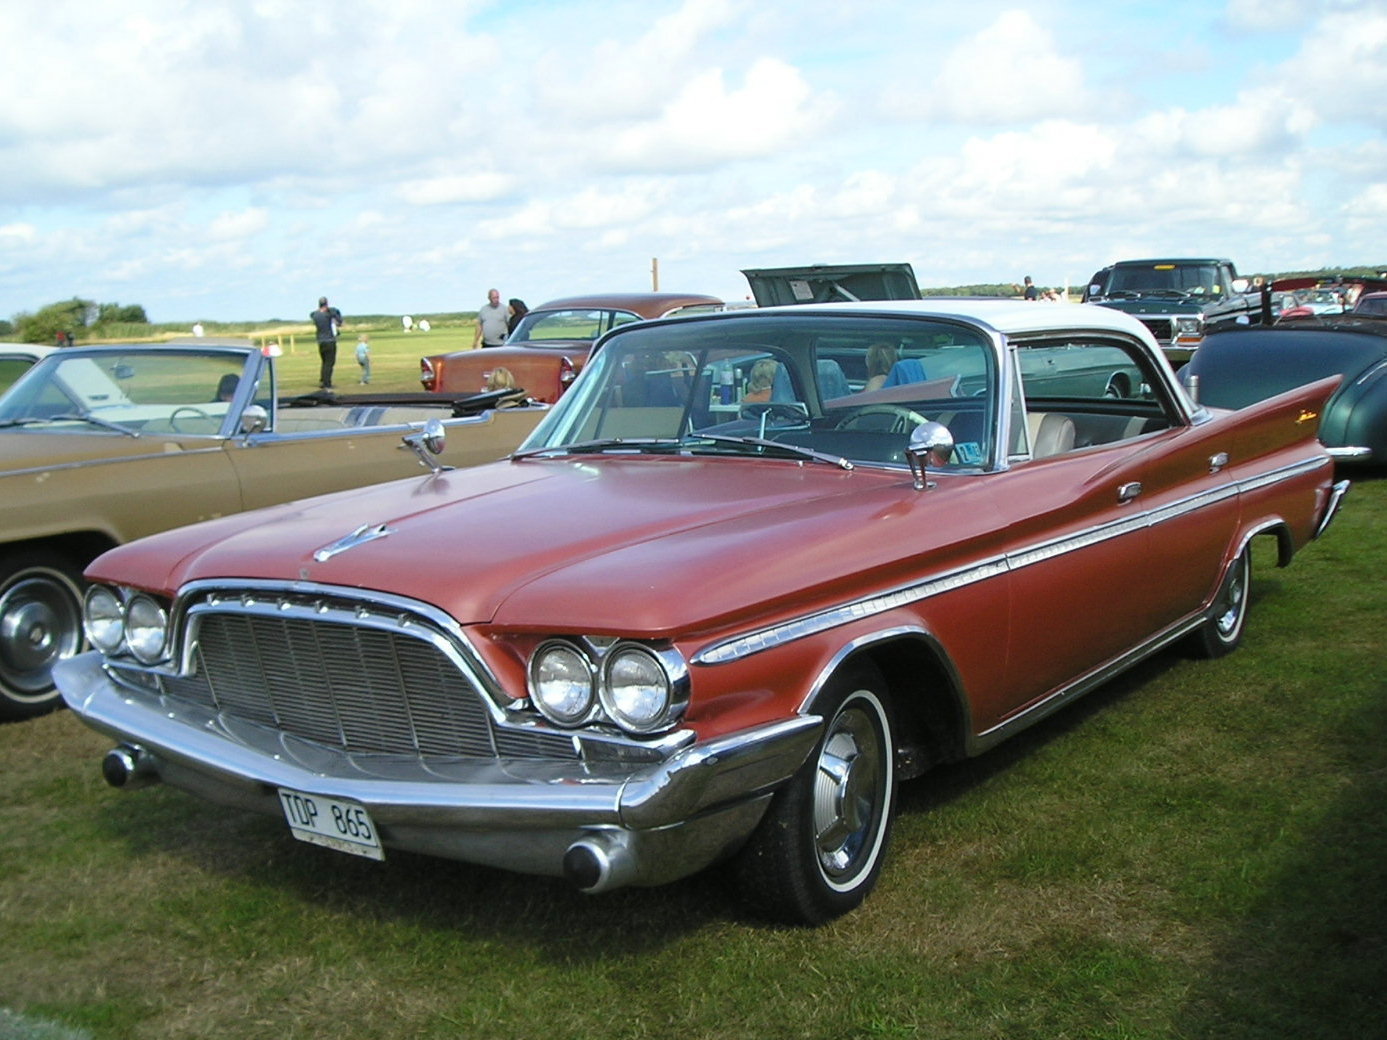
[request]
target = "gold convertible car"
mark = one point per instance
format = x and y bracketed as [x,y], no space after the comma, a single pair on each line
[101,445]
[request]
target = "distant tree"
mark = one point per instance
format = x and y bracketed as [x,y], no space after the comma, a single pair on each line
[128,314]
[44,326]
[6,327]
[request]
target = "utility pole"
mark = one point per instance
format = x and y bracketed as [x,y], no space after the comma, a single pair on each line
[654,274]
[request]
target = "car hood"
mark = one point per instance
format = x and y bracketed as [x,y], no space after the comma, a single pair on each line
[595,544]
[1157,304]
[837,283]
[26,448]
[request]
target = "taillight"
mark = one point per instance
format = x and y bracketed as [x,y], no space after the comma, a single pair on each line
[567,373]
[427,375]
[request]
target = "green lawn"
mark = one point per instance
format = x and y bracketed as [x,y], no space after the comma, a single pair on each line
[394,357]
[1197,850]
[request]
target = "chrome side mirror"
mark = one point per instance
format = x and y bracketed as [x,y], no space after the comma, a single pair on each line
[931,444]
[254,419]
[428,443]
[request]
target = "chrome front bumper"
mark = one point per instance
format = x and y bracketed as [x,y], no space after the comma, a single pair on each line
[603,824]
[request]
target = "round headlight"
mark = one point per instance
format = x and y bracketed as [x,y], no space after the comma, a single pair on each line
[103,616]
[146,628]
[637,691]
[561,684]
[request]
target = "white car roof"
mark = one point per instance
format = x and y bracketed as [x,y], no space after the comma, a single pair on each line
[1008,317]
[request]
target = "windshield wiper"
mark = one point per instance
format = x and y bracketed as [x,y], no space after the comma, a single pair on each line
[762,444]
[95,420]
[678,446]
[618,445]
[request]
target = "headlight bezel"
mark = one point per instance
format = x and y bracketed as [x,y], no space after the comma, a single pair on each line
[121,621]
[661,706]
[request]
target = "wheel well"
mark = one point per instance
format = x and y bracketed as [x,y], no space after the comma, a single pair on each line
[81,547]
[925,695]
[1285,541]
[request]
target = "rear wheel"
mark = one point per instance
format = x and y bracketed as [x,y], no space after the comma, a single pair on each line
[40,623]
[1222,629]
[819,849]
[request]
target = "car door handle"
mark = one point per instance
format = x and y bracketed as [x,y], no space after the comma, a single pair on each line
[1217,462]
[1129,491]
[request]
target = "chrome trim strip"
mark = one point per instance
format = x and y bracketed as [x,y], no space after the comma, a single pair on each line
[1361,452]
[812,624]
[59,467]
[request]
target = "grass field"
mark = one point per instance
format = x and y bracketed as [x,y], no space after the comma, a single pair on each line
[1198,850]
[394,356]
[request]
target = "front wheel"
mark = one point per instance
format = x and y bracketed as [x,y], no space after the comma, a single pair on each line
[1222,629]
[40,623]
[819,849]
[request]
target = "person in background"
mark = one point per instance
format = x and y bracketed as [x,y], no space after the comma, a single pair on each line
[363,356]
[760,381]
[491,322]
[880,358]
[516,310]
[1030,292]
[326,320]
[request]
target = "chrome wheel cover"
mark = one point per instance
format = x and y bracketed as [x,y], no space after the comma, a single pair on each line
[40,623]
[851,788]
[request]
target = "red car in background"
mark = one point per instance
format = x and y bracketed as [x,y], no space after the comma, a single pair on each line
[551,344]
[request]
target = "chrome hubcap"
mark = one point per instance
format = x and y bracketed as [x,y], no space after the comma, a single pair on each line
[849,792]
[40,623]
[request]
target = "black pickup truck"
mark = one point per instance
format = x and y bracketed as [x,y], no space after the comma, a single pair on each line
[1179,300]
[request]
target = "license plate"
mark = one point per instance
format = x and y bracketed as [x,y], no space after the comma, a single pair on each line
[344,826]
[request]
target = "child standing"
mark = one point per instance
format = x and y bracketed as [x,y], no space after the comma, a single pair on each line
[363,357]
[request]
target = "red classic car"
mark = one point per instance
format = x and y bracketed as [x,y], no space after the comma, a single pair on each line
[552,342]
[751,572]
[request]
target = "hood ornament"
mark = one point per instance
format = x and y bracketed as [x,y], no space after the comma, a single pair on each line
[363,534]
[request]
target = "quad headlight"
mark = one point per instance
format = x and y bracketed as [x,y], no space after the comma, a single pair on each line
[562,684]
[134,622]
[641,689]
[103,615]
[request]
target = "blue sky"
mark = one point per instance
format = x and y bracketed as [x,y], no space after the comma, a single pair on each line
[235,159]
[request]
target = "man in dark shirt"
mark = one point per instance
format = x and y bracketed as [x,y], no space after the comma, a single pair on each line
[327,321]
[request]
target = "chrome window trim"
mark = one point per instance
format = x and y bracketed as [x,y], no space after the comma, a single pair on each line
[738,647]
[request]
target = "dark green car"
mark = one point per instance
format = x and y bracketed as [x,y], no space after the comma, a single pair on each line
[1238,367]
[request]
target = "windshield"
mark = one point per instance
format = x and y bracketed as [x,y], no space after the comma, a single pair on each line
[579,324]
[1195,279]
[154,390]
[846,387]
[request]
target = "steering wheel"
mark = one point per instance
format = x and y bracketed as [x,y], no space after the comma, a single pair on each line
[903,419]
[192,410]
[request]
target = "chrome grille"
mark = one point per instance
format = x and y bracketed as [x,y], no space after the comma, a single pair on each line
[360,687]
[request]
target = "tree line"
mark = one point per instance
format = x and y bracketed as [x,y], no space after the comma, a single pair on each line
[75,318]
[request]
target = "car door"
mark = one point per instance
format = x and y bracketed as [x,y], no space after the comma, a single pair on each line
[1081,554]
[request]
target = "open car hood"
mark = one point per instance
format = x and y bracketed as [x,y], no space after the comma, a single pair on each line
[832,283]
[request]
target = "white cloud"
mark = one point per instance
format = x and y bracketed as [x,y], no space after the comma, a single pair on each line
[239,225]
[1010,71]
[470,187]
[706,123]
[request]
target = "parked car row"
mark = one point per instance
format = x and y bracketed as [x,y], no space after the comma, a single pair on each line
[754,570]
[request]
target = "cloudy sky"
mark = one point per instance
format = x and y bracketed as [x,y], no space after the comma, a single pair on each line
[235,159]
